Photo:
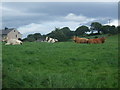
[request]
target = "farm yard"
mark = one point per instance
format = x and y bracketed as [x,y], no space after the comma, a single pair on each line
[61,65]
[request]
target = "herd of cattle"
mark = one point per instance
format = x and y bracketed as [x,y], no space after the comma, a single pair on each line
[16,41]
[89,41]
[52,40]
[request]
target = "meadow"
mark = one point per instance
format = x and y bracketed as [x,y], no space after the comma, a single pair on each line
[61,65]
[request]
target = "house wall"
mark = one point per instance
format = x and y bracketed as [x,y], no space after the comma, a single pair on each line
[14,34]
[3,37]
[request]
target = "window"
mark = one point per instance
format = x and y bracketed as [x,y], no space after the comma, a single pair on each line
[16,36]
[14,30]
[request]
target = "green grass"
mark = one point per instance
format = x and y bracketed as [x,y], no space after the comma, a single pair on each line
[61,65]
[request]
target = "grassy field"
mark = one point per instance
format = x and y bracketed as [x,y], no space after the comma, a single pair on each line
[61,65]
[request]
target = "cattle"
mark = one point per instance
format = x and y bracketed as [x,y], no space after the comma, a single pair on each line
[46,39]
[96,40]
[79,40]
[12,42]
[50,40]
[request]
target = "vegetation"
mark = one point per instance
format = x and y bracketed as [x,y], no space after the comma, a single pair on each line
[64,34]
[61,65]
[33,37]
[61,34]
[96,26]
[81,30]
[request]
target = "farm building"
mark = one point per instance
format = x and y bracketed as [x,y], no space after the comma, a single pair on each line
[10,33]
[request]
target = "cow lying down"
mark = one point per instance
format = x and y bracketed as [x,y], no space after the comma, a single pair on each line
[13,42]
[51,40]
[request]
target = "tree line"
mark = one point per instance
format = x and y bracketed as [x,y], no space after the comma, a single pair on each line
[64,34]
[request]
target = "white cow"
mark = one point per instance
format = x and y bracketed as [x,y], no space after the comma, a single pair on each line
[13,42]
[51,40]
[46,39]
[54,40]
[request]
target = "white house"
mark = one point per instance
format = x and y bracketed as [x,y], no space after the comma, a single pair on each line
[11,33]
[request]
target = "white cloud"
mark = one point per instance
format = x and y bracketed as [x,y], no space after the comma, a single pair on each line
[71,20]
[32,28]
[113,22]
[46,27]
[79,18]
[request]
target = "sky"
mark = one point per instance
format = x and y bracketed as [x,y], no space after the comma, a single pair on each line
[44,17]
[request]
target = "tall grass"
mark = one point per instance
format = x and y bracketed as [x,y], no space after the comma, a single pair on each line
[61,65]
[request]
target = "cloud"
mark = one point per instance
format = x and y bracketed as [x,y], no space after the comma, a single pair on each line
[71,20]
[79,18]
[24,13]
[46,27]
[33,27]
[113,22]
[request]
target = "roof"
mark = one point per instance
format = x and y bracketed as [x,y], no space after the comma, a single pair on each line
[7,31]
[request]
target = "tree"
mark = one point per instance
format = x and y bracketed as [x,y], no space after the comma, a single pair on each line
[105,29]
[113,30]
[96,26]
[25,39]
[81,30]
[58,34]
[67,32]
[33,37]
[30,38]
[37,36]
[118,29]
[72,33]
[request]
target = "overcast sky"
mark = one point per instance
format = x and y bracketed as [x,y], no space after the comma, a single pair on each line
[32,17]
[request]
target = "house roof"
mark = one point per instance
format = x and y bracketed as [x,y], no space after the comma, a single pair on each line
[6,31]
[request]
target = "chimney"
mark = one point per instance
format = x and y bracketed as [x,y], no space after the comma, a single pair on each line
[6,28]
